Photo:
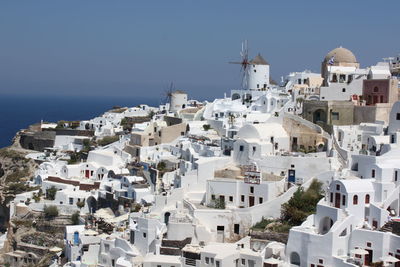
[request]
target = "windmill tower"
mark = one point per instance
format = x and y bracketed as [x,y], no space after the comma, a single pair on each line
[255,72]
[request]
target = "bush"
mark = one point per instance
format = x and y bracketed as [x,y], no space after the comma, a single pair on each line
[161,166]
[302,204]
[80,204]
[217,204]
[206,127]
[107,140]
[75,218]
[51,193]
[50,212]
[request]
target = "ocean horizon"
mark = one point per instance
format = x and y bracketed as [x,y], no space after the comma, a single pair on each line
[19,111]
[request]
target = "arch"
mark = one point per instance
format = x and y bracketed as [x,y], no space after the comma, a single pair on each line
[325,225]
[319,116]
[367,199]
[166,217]
[235,96]
[92,204]
[295,258]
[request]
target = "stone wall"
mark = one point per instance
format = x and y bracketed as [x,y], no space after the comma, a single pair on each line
[37,140]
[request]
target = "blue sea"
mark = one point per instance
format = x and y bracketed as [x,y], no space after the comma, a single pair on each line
[18,112]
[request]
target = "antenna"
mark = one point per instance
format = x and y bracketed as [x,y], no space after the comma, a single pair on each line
[244,54]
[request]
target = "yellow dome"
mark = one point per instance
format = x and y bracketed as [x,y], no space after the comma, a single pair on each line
[341,55]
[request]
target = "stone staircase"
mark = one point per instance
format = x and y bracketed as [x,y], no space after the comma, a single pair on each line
[392,227]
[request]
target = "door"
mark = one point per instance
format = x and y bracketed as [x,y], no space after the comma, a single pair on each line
[251,201]
[87,173]
[397,264]
[337,200]
[368,257]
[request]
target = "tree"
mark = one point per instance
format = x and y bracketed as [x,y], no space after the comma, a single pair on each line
[75,218]
[50,212]
[302,204]
[51,193]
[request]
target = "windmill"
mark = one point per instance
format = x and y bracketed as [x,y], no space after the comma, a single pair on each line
[244,54]
[168,93]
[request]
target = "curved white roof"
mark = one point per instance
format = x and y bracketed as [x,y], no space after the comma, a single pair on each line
[358,185]
[261,131]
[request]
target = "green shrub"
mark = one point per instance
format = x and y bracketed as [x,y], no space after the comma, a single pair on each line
[50,212]
[302,204]
[107,140]
[217,204]
[80,204]
[206,127]
[51,193]
[75,218]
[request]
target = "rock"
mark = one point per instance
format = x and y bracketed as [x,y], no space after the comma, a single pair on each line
[1,170]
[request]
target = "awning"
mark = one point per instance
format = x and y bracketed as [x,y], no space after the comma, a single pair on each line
[359,251]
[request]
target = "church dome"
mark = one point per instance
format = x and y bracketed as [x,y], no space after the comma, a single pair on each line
[341,55]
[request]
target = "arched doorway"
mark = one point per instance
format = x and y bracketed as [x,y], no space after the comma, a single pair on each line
[325,225]
[235,96]
[295,258]
[319,116]
[166,217]
[92,204]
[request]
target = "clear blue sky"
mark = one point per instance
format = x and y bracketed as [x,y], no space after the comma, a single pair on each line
[78,47]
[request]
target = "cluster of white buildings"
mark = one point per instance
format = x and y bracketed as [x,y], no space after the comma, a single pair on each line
[185,187]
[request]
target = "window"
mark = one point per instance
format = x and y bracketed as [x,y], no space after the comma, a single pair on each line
[355,200]
[344,90]
[369,244]
[254,149]
[373,174]
[71,201]
[398,116]
[260,200]
[230,198]
[242,198]
[241,148]
[376,89]
[343,200]
[335,116]
[144,235]
[367,199]
[272,139]
[252,189]
[331,197]
[207,260]
[342,78]
[337,187]
[255,70]
[217,264]
[213,197]
[395,176]
[321,261]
